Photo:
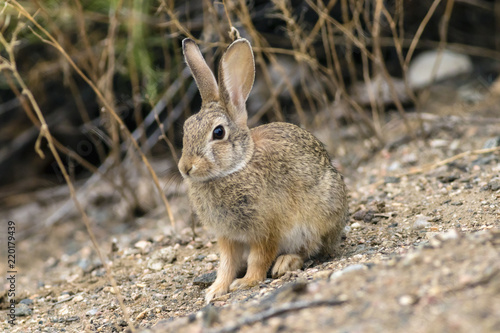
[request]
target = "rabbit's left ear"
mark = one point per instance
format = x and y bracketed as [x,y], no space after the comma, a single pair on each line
[205,79]
[236,77]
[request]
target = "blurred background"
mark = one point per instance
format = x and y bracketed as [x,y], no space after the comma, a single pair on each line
[109,80]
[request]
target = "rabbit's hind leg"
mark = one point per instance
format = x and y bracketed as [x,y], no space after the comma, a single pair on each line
[286,263]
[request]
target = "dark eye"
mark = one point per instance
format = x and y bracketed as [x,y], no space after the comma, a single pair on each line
[218,133]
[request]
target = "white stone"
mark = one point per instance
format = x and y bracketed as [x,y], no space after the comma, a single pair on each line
[451,64]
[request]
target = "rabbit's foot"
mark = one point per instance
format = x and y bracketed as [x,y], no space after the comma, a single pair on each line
[285,263]
[216,290]
[244,283]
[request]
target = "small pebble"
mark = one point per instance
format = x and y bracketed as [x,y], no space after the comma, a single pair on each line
[421,222]
[448,235]
[167,255]
[322,274]
[205,280]
[78,298]
[212,257]
[141,315]
[494,185]
[92,312]
[209,315]
[391,180]
[348,269]
[406,300]
[448,178]
[26,301]
[22,310]
[143,245]
[359,215]
[491,143]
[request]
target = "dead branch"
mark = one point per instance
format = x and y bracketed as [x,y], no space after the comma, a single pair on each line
[276,311]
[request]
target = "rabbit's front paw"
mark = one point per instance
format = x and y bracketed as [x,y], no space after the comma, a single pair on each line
[243,283]
[216,290]
[285,263]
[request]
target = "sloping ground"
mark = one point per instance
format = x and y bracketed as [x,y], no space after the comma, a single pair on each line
[445,286]
[421,254]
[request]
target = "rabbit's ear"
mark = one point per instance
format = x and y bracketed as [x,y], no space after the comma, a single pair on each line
[236,77]
[205,79]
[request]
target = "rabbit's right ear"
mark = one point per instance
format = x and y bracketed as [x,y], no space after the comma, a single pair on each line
[205,79]
[236,77]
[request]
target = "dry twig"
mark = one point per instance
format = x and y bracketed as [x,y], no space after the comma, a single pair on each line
[275,311]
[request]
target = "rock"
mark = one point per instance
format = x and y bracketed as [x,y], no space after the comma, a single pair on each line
[437,238]
[322,274]
[421,222]
[155,264]
[152,277]
[78,298]
[494,185]
[407,300]
[391,180]
[114,245]
[64,297]
[368,217]
[22,310]
[492,143]
[447,235]
[365,215]
[167,255]
[450,64]
[410,159]
[143,245]
[205,280]
[360,215]
[412,258]
[348,269]
[448,178]
[485,160]
[212,257]
[485,188]
[142,315]
[26,301]
[439,143]
[209,315]
[396,165]
[92,312]
[72,318]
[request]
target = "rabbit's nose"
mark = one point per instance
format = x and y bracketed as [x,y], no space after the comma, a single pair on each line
[185,167]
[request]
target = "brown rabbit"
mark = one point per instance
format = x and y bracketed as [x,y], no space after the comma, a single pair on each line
[266,192]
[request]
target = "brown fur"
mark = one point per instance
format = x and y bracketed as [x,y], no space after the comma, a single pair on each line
[271,190]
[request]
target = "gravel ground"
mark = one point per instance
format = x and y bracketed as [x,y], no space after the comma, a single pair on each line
[421,253]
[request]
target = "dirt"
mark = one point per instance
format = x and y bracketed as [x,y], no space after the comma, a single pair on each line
[421,252]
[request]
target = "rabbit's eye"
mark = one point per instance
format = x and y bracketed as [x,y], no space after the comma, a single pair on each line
[218,133]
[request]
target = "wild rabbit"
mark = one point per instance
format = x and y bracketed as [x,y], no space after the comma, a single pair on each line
[266,192]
